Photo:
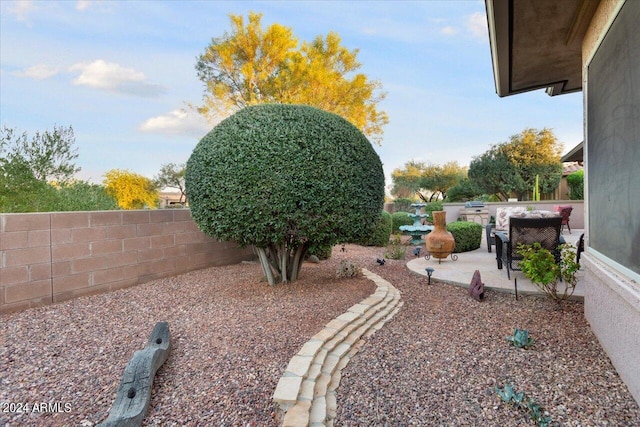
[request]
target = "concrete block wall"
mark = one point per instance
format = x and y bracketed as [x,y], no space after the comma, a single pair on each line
[51,257]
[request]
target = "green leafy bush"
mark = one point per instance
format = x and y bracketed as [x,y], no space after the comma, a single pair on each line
[575,181]
[283,178]
[382,231]
[539,265]
[467,235]
[398,219]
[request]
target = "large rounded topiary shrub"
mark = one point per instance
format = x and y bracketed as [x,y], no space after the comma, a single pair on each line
[284,178]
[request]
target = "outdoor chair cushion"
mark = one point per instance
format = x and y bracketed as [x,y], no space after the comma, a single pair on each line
[503,215]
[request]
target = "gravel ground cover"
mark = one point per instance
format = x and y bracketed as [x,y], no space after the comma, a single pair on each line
[232,337]
[435,363]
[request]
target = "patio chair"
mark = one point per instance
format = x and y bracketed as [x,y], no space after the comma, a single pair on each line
[527,231]
[502,222]
[565,212]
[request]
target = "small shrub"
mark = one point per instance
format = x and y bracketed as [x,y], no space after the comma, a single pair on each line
[395,248]
[382,231]
[398,219]
[348,269]
[467,235]
[539,265]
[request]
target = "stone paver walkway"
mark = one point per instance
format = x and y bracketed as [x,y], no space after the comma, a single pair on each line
[306,393]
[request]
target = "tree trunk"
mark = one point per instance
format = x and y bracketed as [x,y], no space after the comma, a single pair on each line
[298,259]
[280,264]
[266,267]
[283,254]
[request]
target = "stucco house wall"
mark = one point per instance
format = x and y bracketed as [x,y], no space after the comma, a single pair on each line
[612,293]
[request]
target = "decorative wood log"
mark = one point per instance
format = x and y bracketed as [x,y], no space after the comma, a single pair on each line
[134,392]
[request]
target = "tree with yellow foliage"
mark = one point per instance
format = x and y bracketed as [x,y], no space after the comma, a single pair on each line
[252,65]
[422,176]
[132,191]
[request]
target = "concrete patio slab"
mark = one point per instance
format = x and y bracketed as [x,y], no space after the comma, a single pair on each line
[460,272]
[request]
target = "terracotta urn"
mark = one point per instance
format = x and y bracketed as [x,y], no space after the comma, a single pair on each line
[440,242]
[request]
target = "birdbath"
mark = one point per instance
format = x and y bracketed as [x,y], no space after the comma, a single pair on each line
[417,230]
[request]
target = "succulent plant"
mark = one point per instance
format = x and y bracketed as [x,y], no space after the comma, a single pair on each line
[520,338]
[509,394]
[521,401]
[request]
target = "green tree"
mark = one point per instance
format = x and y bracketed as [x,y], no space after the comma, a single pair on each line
[28,164]
[407,181]
[464,191]
[172,176]
[426,177]
[251,65]
[131,190]
[284,178]
[47,156]
[511,167]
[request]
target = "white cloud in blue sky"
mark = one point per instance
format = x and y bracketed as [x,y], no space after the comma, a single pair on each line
[38,72]
[114,77]
[122,72]
[181,121]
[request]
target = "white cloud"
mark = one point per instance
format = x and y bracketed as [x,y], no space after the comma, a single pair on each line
[177,122]
[114,77]
[82,4]
[21,8]
[448,31]
[477,25]
[38,72]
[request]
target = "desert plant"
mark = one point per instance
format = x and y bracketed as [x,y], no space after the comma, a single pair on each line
[540,266]
[509,395]
[520,338]
[398,219]
[283,178]
[468,235]
[521,401]
[395,249]
[348,269]
[380,234]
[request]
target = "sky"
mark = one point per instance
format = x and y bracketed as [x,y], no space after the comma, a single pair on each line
[122,74]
